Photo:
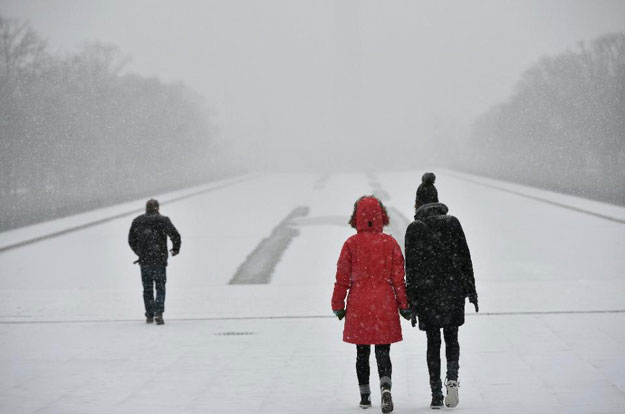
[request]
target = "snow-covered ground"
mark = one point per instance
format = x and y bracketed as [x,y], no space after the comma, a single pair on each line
[550,337]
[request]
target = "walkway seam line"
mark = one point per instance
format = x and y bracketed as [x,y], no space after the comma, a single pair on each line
[243,318]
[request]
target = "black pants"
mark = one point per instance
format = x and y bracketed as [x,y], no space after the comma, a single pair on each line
[452,352]
[383,357]
[153,275]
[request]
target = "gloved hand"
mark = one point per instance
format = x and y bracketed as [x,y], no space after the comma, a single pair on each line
[413,314]
[340,313]
[473,300]
[174,252]
[406,313]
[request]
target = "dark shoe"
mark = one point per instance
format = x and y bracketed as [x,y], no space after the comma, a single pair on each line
[159,319]
[365,401]
[437,402]
[149,319]
[387,401]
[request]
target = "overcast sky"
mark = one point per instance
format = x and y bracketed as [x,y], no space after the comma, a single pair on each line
[366,80]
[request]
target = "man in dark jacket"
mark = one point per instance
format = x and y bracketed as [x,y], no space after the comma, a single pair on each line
[439,276]
[148,239]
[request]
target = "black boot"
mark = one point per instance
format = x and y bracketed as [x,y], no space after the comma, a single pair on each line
[387,398]
[158,318]
[437,401]
[365,395]
[365,401]
[149,319]
[436,386]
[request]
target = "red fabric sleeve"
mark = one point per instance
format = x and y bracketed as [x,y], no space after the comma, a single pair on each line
[397,277]
[343,276]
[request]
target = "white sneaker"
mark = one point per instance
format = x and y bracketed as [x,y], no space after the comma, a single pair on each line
[451,399]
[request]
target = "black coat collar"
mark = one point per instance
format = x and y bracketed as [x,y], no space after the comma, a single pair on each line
[431,209]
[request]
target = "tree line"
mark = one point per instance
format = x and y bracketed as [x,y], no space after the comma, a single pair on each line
[564,126]
[77,133]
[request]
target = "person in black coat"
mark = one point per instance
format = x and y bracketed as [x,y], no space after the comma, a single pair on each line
[148,239]
[439,276]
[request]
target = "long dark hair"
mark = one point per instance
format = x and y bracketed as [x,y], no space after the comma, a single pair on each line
[385,219]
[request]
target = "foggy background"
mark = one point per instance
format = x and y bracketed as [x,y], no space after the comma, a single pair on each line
[119,99]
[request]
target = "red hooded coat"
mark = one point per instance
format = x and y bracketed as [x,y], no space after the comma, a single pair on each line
[371,267]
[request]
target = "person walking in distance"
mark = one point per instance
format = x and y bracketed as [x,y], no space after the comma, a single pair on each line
[148,239]
[371,268]
[439,276]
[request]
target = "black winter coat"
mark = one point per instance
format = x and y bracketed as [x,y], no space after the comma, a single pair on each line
[439,272]
[148,238]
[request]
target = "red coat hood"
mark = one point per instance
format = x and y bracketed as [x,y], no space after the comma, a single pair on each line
[369,215]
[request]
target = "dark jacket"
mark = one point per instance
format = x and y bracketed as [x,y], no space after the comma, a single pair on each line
[439,272]
[148,238]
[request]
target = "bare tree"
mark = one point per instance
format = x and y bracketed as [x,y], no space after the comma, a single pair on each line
[564,126]
[21,51]
[77,132]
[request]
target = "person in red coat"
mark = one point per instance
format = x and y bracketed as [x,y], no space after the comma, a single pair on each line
[371,268]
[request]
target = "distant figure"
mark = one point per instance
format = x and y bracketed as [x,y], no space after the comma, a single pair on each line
[371,267]
[148,239]
[439,276]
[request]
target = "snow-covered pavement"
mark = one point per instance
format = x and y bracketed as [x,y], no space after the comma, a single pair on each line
[550,338]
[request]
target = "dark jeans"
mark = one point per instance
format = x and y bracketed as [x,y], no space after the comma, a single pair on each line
[383,357]
[153,275]
[452,352]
